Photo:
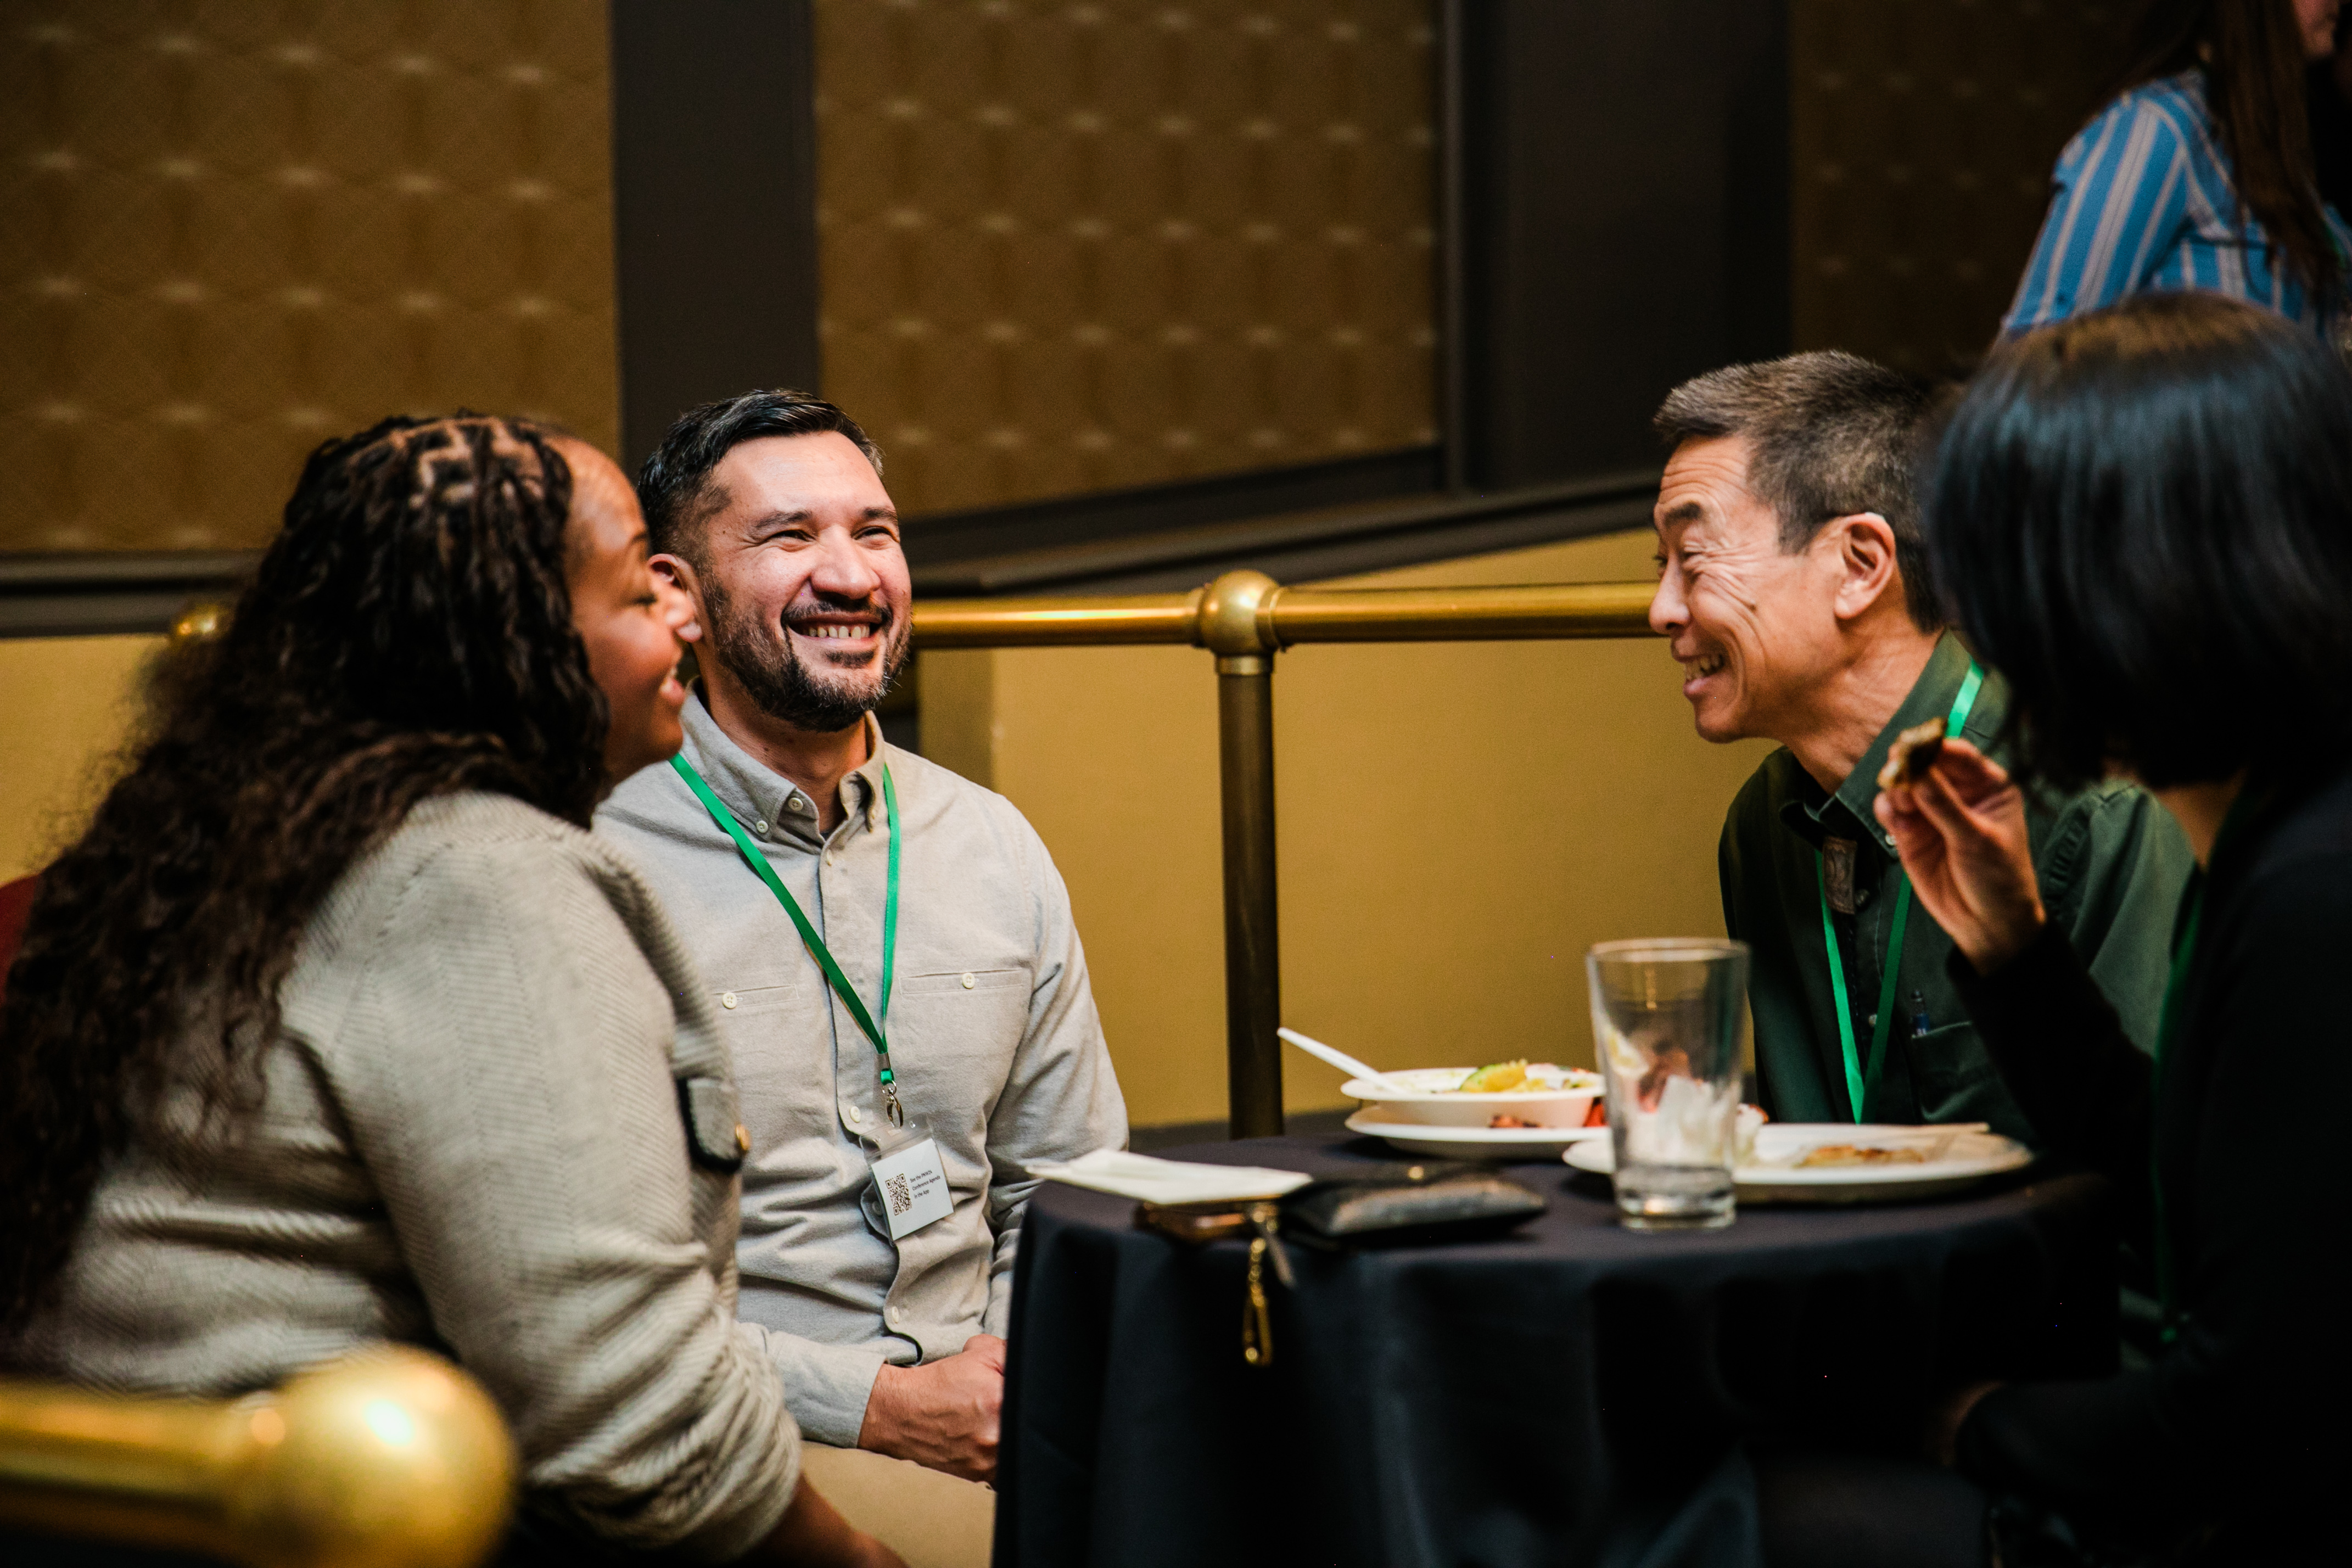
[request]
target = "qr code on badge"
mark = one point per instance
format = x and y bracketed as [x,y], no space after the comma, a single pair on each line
[895,1189]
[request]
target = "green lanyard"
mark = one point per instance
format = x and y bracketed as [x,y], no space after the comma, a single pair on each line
[2184,955]
[1857,1081]
[815,943]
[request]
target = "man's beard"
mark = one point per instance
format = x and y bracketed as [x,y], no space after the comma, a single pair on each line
[785,688]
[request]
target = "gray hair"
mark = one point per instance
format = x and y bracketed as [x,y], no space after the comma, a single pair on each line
[1829,435]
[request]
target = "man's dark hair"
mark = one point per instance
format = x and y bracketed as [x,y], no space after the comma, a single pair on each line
[675,487]
[2144,514]
[1829,435]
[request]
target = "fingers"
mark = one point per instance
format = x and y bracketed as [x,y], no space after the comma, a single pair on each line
[987,1348]
[1953,816]
[1969,773]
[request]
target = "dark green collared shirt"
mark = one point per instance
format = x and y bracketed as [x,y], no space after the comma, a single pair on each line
[2112,864]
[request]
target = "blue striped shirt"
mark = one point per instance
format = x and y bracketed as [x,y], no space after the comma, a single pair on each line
[2145,203]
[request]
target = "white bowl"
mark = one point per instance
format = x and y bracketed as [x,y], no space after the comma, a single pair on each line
[1434,1101]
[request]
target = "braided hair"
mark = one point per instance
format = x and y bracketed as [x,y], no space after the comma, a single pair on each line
[407,635]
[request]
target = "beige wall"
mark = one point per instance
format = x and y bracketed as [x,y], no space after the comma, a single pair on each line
[1456,825]
[66,705]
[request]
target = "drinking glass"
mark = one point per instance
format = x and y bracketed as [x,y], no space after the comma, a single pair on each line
[1665,1024]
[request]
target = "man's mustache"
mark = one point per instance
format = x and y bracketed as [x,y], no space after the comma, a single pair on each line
[799,616]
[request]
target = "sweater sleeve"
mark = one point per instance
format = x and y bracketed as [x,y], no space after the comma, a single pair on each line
[2064,1055]
[2247,1402]
[504,1066]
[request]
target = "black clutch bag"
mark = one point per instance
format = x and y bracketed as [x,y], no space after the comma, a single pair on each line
[1405,1205]
[1378,1205]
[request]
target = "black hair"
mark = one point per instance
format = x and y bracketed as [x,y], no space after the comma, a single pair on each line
[2145,516]
[675,486]
[407,635]
[1830,435]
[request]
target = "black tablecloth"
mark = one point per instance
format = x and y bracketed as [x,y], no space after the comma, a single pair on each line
[1575,1393]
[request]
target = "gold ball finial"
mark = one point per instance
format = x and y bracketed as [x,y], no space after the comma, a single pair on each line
[200,623]
[390,1458]
[1234,621]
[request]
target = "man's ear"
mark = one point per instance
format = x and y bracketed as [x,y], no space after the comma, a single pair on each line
[1866,564]
[676,573]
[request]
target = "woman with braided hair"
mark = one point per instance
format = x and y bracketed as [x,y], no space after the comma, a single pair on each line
[337,1026]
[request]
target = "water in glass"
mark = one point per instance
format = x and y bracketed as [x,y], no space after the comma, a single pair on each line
[1665,1024]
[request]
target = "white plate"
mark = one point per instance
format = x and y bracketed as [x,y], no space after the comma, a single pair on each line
[1773,1176]
[1433,1098]
[1474,1142]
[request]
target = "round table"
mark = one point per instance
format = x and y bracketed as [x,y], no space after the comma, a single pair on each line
[1573,1392]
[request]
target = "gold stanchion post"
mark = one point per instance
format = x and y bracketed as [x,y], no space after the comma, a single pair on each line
[1234,626]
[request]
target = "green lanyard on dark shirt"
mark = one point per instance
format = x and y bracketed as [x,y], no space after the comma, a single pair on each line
[2184,956]
[1858,1080]
[815,943]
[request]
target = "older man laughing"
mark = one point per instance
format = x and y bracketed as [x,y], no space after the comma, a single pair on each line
[1795,592]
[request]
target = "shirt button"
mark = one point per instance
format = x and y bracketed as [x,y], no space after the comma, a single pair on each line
[854,1115]
[800,806]
[969,980]
[727,999]
[759,827]
[828,857]
[895,1316]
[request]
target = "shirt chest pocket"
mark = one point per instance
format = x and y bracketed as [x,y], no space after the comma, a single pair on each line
[968,1017]
[733,1006]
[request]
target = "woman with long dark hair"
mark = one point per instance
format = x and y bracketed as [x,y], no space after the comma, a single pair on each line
[337,1024]
[2144,518]
[2199,174]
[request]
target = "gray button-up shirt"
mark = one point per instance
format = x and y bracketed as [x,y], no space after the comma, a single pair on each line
[993,1039]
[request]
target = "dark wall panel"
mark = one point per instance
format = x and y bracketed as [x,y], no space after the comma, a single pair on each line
[1623,219]
[714,205]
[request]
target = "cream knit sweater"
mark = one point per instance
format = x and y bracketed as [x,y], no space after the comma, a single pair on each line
[472,1140]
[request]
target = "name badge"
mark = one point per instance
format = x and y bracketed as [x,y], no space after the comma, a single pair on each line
[912,1185]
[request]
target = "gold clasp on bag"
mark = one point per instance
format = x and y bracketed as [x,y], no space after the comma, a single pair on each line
[1257,1323]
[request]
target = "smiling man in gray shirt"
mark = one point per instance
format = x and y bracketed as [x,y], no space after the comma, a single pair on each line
[769,510]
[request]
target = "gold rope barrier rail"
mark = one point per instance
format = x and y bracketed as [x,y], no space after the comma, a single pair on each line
[1244,618]
[387,1458]
[1249,607]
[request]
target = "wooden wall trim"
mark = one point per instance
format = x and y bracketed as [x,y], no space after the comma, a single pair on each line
[714,205]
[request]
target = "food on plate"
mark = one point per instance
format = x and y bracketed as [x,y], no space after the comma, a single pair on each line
[1504,1119]
[1521,1076]
[1913,753]
[1860,1154]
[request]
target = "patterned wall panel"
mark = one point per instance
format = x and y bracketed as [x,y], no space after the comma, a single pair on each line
[1923,135]
[229,228]
[1067,247]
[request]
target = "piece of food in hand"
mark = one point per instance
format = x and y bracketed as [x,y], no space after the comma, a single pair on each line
[1913,753]
[1860,1154]
[1504,1119]
[1495,1077]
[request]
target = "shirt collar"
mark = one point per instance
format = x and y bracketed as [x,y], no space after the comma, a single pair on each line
[762,797]
[1930,698]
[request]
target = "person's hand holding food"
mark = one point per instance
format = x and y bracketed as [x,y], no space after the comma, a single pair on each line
[1958,823]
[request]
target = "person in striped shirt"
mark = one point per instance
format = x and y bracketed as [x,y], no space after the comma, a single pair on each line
[2199,174]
